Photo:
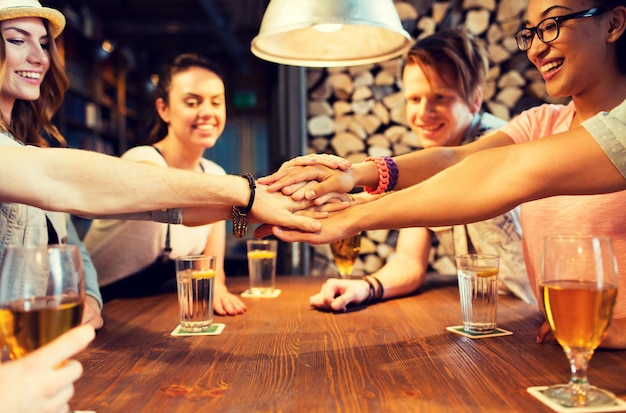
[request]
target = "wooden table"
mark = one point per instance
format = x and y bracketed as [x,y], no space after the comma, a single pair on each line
[282,356]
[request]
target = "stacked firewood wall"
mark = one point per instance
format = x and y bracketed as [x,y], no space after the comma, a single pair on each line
[359,111]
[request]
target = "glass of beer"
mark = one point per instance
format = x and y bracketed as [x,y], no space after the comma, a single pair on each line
[42,294]
[345,252]
[578,287]
[195,275]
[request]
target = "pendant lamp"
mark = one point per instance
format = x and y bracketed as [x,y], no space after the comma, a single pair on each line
[330,33]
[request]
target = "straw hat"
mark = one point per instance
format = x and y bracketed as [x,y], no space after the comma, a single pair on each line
[15,9]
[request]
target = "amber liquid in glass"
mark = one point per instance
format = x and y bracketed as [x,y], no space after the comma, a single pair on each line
[26,325]
[578,312]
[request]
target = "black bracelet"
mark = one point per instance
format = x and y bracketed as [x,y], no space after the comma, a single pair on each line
[252,185]
[380,291]
[370,296]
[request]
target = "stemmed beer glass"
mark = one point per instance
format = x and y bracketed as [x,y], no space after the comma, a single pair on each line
[578,285]
[42,294]
[345,252]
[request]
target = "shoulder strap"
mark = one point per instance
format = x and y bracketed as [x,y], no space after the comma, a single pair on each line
[167,249]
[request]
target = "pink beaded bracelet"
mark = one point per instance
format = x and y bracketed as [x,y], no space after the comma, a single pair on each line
[387,174]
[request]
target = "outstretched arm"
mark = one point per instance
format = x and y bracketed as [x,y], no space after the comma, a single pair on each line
[486,184]
[89,183]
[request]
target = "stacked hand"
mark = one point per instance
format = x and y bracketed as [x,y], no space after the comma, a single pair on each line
[321,180]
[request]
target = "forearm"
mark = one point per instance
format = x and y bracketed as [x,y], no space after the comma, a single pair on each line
[399,278]
[85,182]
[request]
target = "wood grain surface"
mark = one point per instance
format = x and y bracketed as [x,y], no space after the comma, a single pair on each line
[283,356]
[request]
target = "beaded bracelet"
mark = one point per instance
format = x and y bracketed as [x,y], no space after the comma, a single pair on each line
[387,174]
[394,172]
[240,214]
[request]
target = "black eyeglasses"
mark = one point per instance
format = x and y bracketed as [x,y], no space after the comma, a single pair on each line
[547,30]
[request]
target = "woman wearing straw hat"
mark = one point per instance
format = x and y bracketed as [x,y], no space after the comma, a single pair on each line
[31,90]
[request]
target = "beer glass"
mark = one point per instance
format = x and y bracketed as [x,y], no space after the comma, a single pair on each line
[42,294]
[345,252]
[578,286]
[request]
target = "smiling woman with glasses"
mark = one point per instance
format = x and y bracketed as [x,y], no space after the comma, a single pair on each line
[547,30]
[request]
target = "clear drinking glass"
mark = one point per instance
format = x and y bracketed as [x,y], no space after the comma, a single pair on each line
[345,252]
[262,267]
[578,286]
[42,294]
[195,276]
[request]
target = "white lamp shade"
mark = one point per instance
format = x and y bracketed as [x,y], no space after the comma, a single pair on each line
[365,31]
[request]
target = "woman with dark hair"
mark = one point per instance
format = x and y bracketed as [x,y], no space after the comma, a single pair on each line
[137,257]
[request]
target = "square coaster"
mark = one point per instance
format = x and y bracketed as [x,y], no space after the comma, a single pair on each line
[274,294]
[538,393]
[215,330]
[459,330]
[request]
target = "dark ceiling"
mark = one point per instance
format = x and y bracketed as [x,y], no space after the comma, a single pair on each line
[154,30]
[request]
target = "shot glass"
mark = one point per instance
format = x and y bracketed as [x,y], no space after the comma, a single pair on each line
[262,266]
[194,278]
[478,290]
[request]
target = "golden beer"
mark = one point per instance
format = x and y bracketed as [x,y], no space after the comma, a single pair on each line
[578,312]
[345,252]
[28,324]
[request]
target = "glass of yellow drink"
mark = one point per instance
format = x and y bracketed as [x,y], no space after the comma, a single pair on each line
[42,294]
[578,287]
[345,252]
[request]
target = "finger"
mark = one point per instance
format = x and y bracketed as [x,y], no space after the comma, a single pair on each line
[60,401]
[313,213]
[333,207]
[316,300]
[543,332]
[330,161]
[305,224]
[340,304]
[276,176]
[263,231]
[300,193]
[291,189]
[294,235]
[333,197]
[62,377]
[295,176]
[63,347]
[218,308]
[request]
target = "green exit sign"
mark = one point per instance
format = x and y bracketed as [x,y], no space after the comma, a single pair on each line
[245,99]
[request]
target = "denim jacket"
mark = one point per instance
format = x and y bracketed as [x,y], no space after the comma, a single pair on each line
[26,225]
